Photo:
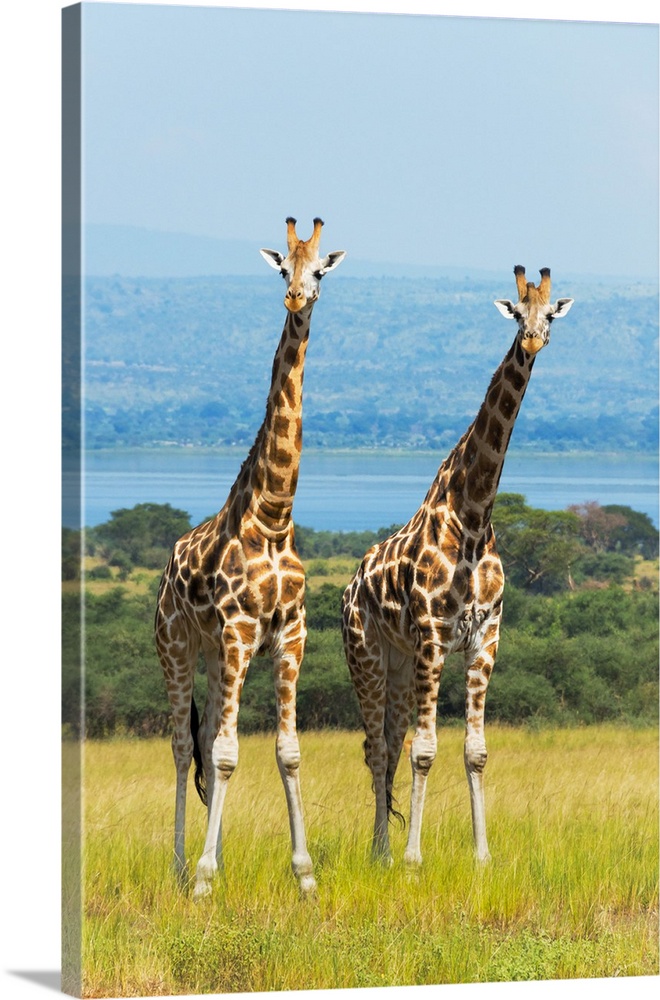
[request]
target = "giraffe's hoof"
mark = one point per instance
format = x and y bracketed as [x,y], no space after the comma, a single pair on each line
[182,874]
[413,859]
[202,890]
[382,858]
[483,859]
[308,887]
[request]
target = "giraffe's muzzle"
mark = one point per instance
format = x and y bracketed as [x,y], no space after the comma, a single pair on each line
[295,299]
[532,344]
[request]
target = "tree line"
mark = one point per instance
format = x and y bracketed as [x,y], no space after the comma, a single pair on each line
[579,637]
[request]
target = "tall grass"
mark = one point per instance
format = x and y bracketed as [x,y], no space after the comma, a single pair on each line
[571,891]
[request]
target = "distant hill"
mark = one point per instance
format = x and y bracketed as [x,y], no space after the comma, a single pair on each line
[391,362]
[130,251]
[134,252]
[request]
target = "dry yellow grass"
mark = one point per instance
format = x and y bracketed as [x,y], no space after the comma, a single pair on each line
[571,891]
[646,574]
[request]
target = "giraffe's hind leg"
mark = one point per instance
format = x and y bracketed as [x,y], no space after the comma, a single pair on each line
[398,715]
[368,671]
[178,648]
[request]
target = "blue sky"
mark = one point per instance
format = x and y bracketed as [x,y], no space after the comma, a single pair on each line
[473,142]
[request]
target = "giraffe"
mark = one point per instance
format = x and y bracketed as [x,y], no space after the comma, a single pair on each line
[435,587]
[234,587]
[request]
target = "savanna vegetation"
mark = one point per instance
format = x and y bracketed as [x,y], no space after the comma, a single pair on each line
[579,640]
[571,891]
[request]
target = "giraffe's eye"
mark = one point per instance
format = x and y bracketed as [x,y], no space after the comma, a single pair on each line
[517,315]
[283,273]
[318,275]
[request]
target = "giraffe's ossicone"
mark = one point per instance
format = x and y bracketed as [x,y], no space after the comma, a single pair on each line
[435,587]
[234,588]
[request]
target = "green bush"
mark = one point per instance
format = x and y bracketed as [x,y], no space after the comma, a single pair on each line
[142,535]
[570,656]
[324,607]
[101,572]
[515,696]
[605,566]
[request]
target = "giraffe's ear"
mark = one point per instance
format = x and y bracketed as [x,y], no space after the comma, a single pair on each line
[506,307]
[272,257]
[332,261]
[561,307]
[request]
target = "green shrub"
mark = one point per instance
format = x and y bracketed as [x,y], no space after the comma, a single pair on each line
[100,572]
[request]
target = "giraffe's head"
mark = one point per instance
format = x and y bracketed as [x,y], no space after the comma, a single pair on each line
[302,268]
[533,312]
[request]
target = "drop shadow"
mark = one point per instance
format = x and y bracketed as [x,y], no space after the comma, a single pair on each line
[50,980]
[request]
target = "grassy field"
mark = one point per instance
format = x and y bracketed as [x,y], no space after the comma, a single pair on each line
[571,891]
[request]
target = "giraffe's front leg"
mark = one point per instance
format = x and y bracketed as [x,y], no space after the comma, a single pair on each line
[287,661]
[210,727]
[224,753]
[479,666]
[428,668]
[182,749]
[367,670]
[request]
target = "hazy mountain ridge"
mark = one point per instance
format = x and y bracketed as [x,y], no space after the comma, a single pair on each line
[391,362]
[133,251]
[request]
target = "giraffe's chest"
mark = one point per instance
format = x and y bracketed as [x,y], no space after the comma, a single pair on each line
[450,597]
[462,608]
[470,628]
[256,584]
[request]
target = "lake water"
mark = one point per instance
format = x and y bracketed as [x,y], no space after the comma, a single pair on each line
[354,491]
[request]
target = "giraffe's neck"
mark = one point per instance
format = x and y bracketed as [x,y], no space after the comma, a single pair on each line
[266,484]
[469,478]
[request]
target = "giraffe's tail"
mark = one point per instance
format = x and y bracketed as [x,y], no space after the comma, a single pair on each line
[389,781]
[394,813]
[393,754]
[389,798]
[200,780]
